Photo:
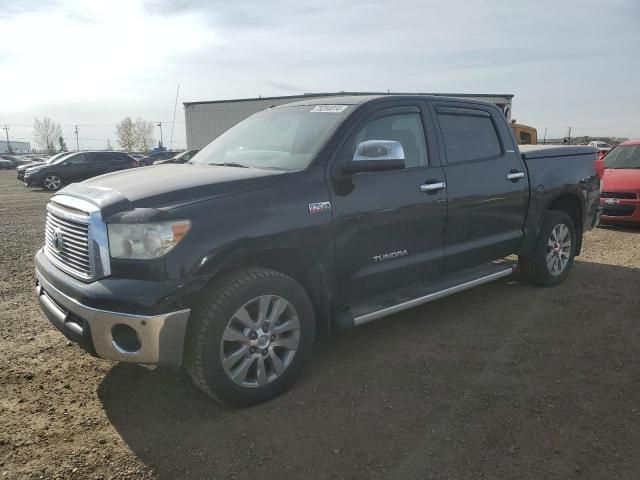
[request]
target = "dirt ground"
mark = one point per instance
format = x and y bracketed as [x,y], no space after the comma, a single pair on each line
[504,381]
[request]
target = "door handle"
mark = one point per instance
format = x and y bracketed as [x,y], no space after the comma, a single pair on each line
[432,187]
[514,175]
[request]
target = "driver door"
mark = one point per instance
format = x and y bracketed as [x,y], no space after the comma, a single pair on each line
[75,168]
[388,228]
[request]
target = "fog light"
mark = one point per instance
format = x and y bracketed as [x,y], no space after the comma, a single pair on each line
[125,339]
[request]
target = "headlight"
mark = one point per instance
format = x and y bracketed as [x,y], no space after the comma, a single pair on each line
[145,241]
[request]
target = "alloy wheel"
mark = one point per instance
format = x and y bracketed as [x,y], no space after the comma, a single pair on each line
[558,249]
[52,182]
[260,341]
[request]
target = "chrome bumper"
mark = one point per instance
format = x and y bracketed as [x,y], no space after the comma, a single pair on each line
[160,338]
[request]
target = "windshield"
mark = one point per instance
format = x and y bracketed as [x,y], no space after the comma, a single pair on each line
[284,138]
[59,158]
[623,157]
[56,157]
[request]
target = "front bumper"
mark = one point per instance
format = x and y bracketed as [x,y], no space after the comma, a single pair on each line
[620,210]
[151,339]
[32,180]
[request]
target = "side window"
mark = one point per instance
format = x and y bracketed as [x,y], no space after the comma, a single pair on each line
[405,128]
[468,135]
[95,158]
[78,159]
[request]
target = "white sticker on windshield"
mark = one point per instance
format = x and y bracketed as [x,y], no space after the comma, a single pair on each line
[329,108]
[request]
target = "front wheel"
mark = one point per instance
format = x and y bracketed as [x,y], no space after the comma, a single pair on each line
[52,182]
[251,336]
[551,259]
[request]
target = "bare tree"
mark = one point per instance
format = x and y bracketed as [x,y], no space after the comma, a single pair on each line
[46,133]
[144,134]
[126,131]
[108,147]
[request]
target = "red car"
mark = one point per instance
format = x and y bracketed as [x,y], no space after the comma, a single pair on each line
[620,197]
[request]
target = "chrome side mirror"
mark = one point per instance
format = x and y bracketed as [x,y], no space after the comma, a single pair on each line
[376,155]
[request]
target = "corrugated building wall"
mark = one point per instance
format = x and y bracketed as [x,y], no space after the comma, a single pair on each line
[204,121]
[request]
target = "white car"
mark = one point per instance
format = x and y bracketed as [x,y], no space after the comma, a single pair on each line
[601,146]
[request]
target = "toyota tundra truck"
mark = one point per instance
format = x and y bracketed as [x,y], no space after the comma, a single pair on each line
[303,220]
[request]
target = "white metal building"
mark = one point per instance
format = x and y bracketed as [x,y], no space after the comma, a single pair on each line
[16,147]
[206,120]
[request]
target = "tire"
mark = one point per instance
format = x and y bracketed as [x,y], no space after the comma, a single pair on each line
[52,182]
[551,260]
[229,349]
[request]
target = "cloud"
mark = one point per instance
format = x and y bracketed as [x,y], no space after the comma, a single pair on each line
[91,61]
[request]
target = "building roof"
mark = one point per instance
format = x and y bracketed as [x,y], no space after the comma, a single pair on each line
[353,94]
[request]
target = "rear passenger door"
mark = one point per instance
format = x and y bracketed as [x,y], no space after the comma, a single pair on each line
[99,163]
[120,161]
[487,184]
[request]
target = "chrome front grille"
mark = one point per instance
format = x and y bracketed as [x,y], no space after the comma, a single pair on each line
[76,238]
[67,243]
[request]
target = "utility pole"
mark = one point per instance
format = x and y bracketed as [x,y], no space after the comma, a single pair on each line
[77,142]
[569,135]
[173,124]
[6,131]
[544,141]
[160,144]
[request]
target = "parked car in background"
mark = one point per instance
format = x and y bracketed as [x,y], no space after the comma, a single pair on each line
[307,217]
[620,197]
[76,167]
[603,147]
[6,164]
[163,155]
[23,168]
[15,161]
[180,158]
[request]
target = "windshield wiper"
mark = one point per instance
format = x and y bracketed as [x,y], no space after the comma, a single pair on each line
[230,164]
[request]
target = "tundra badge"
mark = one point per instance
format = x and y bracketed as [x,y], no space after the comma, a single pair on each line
[390,255]
[319,207]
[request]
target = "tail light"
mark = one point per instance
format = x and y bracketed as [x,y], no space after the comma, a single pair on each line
[598,166]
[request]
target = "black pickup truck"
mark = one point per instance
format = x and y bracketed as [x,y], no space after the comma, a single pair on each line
[303,219]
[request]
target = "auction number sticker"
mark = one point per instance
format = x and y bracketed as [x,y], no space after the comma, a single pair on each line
[329,108]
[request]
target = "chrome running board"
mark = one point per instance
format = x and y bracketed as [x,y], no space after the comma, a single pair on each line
[359,320]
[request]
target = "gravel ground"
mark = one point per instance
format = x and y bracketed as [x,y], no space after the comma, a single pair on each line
[504,381]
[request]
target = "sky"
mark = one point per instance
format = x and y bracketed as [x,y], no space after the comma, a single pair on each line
[91,63]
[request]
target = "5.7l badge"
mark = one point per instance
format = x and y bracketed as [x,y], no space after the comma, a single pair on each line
[319,207]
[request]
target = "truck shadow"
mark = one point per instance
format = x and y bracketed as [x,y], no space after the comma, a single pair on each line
[403,387]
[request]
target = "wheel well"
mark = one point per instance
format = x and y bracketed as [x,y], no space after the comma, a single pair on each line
[292,264]
[571,205]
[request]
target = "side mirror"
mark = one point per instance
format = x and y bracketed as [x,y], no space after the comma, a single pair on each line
[376,156]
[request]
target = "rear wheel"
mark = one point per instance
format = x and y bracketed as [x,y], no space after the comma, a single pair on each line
[251,336]
[549,263]
[52,182]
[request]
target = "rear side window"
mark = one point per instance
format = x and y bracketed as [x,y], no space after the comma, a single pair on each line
[96,157]
[468,135]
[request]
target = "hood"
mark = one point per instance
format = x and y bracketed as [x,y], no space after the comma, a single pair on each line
[30,165]
[168,185]
[618,180]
